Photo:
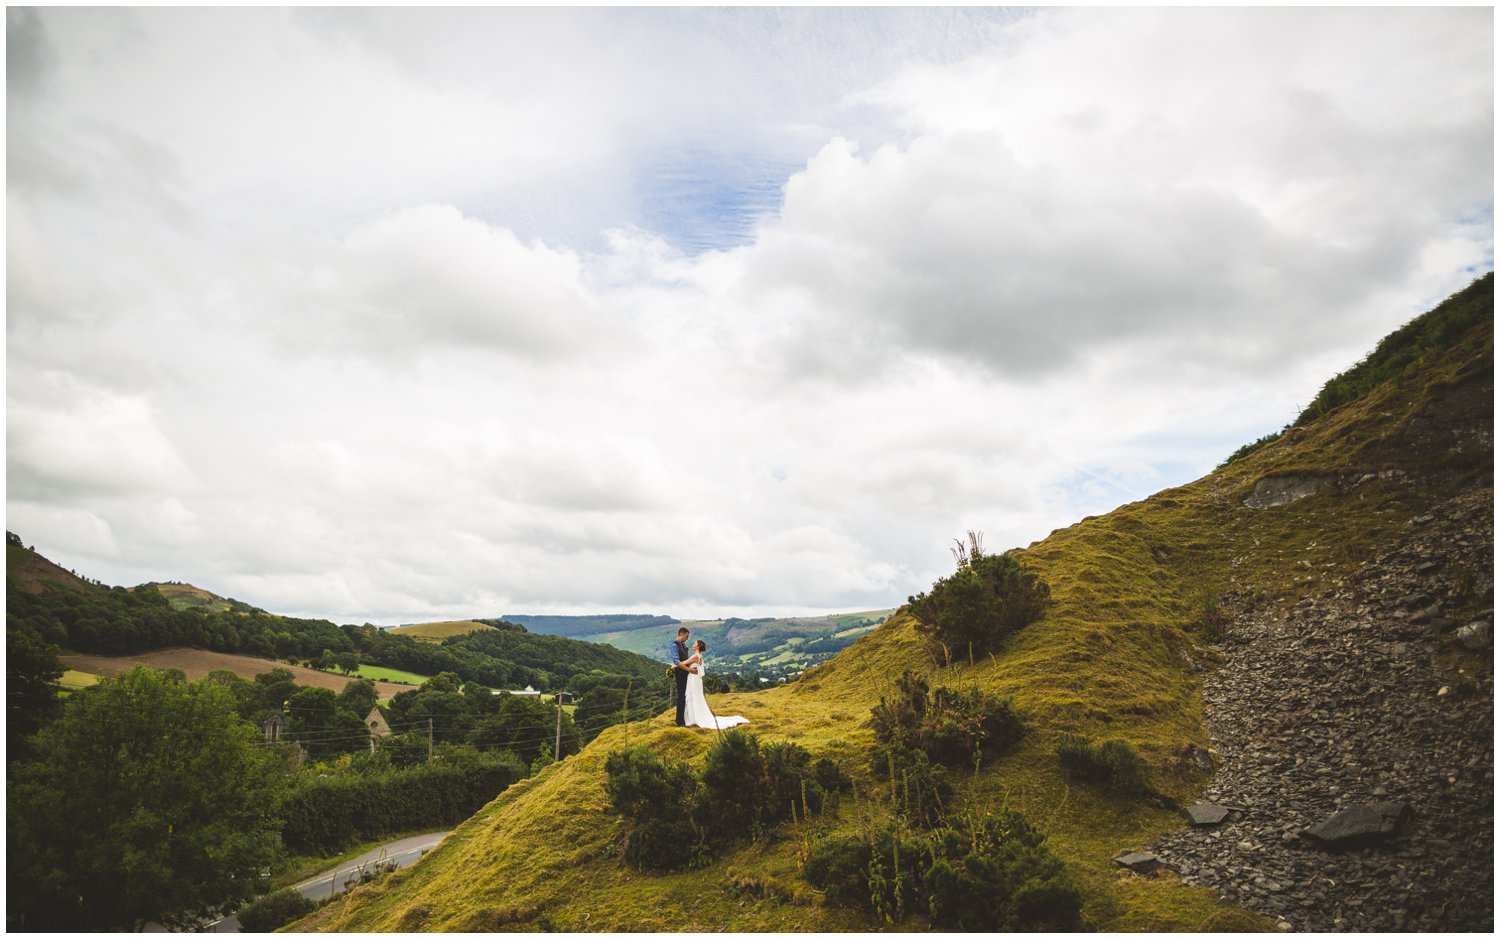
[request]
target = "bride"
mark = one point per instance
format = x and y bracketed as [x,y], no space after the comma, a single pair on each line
[697,712]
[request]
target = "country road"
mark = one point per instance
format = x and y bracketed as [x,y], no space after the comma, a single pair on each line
[401,853]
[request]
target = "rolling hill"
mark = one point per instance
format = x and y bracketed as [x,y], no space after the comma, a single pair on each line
[1150,606]
[437,632]
[772,647]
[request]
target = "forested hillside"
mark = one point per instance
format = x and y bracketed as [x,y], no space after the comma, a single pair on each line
[69,612]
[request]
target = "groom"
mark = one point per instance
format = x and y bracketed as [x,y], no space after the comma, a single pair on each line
[680,672]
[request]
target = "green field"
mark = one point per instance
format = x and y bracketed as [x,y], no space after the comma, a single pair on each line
[381,673]
[73,679]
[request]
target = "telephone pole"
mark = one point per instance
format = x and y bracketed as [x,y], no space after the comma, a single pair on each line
[429,740]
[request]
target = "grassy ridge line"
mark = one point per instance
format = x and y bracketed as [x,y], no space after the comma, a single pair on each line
[1426,336]
[1115,657]
[437,632]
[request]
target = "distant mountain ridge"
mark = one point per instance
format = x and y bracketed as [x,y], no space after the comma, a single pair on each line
[585,625]
[771,647]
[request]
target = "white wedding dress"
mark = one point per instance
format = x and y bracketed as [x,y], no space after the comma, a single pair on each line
[696,712]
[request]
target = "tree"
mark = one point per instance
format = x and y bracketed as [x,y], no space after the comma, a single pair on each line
[358,697]
[444,682]
[348,662]
[148,799]
[31,674]
[272,690]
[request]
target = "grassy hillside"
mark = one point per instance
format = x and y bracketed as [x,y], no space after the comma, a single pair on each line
[29,571]
[437,632]
[1117,655]
[188,597]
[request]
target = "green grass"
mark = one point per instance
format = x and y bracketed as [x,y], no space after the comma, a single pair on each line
[73,679]
[381,673]
[188,597]
[1111,659]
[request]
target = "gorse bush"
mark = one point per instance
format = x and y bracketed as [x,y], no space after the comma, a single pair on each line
[991,873]
[917,789]
[652,793]
[953,726]
[274,910]
[1113,764]
[745,789]
[987,599]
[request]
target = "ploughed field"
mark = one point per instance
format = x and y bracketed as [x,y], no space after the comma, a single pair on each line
[196,663]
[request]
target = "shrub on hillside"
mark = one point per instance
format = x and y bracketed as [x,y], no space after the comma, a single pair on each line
[952,726]
[274,910]
[918,790]
[999,876]
[832,778]
[750,787]
[745,789]
[987,599]
[1113,764]
[651,793]
[994,874]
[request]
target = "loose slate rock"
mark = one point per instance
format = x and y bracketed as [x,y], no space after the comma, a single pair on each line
[1201,758]
[1359,825]
[1140,862]
[1206,813]
[1476,636]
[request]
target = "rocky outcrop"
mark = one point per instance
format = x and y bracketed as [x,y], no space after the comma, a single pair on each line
[1360,696]
[1276,491]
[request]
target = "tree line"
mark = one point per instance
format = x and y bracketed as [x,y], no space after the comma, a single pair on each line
[117,621]
[150,797]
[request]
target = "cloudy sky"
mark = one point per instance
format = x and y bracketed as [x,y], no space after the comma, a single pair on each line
[400,315]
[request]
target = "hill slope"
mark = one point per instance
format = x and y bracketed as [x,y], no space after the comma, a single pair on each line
[1121,653]
[26,570]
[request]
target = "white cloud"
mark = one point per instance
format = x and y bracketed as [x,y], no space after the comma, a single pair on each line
[362,314]
[428,274]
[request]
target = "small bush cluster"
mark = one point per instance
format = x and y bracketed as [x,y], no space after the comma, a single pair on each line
[993,873]
[274,910]
[1211,619]
[1113,764]
[987,599]
[745,789]
[918,789]
[326,813]
[952,726]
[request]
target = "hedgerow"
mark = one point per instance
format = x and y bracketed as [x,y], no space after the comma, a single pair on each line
[329,812]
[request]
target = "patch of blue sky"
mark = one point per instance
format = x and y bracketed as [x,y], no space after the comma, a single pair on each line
[1098,490]
[705,201]
[1483,219]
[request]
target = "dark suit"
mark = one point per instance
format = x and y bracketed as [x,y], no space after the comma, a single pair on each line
[680,675]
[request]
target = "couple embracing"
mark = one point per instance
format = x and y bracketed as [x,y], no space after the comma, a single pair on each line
[687,672]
